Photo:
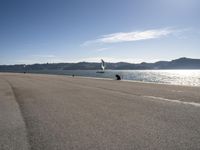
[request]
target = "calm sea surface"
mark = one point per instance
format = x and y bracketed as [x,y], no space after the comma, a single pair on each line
[176,77]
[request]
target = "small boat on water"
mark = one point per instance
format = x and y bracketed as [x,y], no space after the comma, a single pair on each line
[102,67]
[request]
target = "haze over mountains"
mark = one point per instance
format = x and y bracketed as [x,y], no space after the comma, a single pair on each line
[181,63]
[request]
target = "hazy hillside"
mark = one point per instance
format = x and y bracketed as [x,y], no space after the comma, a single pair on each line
[181,63]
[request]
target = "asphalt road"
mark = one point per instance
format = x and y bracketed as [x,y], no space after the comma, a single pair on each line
[49,112]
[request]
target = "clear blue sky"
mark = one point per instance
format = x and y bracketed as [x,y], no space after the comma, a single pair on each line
[39,31]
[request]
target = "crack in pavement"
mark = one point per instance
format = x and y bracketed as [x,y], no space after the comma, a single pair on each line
[20,110]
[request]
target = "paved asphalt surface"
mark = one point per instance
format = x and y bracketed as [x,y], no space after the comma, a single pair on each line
[49,112]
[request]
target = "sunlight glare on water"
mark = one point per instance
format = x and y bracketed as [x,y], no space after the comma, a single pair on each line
[177,77]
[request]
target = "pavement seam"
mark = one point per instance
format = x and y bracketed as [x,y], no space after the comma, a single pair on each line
[20,110]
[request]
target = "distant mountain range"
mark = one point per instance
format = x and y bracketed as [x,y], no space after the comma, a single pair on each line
[181,63]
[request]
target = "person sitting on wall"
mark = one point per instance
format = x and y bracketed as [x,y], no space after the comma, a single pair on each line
[118,77]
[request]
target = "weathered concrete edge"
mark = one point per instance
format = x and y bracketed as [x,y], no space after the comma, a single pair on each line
[14,122]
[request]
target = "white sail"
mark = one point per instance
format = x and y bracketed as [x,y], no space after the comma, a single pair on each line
[102,64]
[102,67]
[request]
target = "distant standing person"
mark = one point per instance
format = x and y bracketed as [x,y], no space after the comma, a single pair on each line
[24,69]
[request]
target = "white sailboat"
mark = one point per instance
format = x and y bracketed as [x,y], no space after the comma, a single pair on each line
[102,67]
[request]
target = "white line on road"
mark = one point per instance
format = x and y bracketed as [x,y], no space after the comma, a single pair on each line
[174,101]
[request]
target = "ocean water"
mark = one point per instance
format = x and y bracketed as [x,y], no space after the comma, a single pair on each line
[175,77]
